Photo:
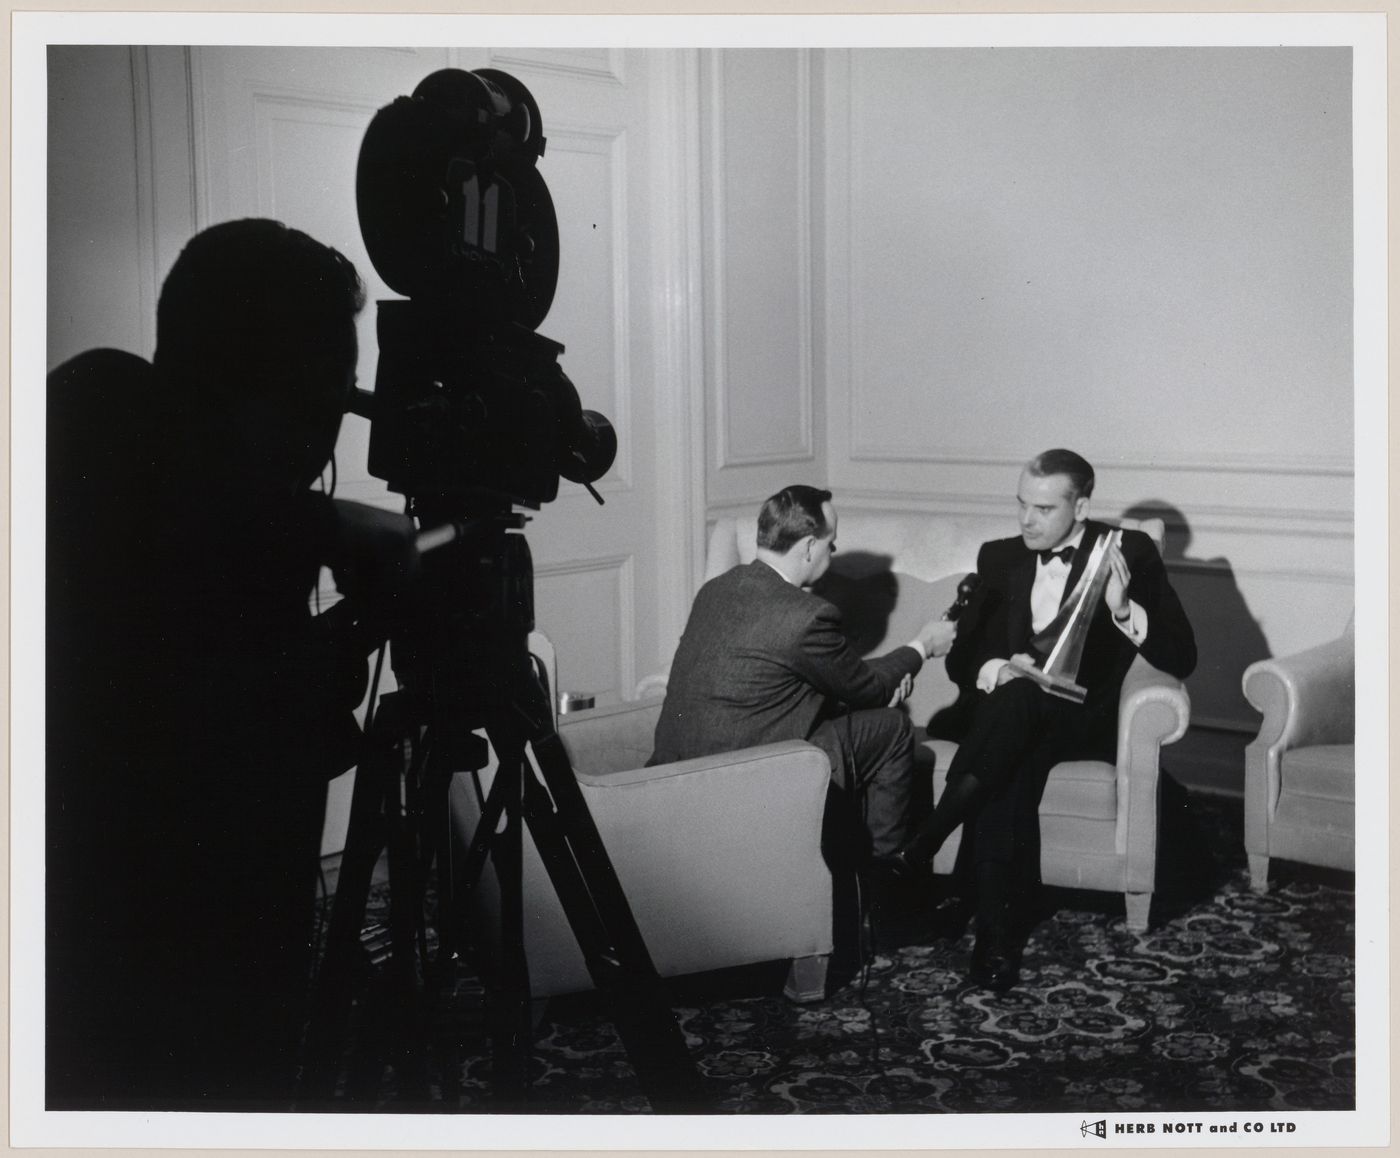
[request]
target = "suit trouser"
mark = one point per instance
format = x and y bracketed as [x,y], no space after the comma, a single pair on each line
[1018,733]
[872,772]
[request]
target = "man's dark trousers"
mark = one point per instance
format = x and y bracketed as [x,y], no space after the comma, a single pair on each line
[872,760]
[1017,734]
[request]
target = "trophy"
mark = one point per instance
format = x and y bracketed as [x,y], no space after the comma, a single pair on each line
[1060,644]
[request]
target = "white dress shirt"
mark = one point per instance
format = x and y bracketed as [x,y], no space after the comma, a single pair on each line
[1047,593]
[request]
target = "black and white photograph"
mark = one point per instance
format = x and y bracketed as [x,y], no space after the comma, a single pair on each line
[703,582]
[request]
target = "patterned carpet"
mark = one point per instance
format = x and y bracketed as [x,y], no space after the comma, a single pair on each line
[1231,1001]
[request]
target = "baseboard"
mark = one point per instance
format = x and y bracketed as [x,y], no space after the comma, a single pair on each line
[1209,760]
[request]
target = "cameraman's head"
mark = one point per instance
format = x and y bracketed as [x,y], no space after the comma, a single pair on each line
[256,351]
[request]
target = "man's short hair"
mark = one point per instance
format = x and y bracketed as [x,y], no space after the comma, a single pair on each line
[792,514]
[247,299]
[1065,462]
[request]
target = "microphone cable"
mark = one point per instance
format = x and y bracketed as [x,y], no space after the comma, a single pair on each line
[865,915]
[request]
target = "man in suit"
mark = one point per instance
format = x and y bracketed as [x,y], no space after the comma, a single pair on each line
[762,659]
[1018,731]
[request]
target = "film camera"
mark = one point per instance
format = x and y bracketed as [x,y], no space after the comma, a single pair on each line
[471,413]
[469,401]
[471,416]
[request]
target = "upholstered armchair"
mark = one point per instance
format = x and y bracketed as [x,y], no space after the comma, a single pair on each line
[1099,822]
[720,857]
[1300,772]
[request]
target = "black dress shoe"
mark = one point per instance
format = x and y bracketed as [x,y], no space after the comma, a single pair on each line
[899,866]
[996,962]
[895,888]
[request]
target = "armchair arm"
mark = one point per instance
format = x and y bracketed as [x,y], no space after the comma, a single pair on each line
[721,856]
[611,738]
[1305,698]
[1153,710]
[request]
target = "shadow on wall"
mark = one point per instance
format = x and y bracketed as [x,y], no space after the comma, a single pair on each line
[1228,637]
[864,587]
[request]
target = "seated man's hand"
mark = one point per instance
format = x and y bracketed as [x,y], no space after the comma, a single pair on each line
[1010,671]
[1115,592]
[901,692]
[937,636]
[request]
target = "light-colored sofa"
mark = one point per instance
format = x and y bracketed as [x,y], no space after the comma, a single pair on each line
[1300,771]
[721,857]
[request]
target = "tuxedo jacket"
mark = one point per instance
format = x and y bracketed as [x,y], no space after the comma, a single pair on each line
[997,621]
[760,661]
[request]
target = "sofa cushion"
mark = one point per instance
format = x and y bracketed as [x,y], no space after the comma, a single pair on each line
[1326,771]
[1083,788]
[1086,789]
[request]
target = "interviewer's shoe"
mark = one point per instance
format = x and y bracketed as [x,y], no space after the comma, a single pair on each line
[895,888]
[901,866]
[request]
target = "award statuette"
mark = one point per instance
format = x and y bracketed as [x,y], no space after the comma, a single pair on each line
[1059,646]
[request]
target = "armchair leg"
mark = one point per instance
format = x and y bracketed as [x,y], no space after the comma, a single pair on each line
[806,979]
[1259,872]
[1137,906]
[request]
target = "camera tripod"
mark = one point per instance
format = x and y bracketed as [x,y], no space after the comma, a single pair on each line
[400,804]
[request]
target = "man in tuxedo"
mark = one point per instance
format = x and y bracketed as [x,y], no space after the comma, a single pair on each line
[1018,731]
[763,659]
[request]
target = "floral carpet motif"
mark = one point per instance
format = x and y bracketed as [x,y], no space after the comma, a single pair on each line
[1232,1000]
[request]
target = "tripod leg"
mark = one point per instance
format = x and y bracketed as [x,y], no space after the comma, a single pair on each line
[512,1022]
[364,842]
[613,946]
[407,1018]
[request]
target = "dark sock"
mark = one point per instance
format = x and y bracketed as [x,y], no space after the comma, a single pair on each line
[994,896]
[959,798]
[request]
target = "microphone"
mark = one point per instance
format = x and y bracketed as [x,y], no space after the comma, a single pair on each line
[966,588]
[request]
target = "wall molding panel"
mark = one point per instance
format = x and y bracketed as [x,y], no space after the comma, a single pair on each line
[1264,465]
[609,144]
[1320,524]
[273,109]
[147,181]
[723,353]
[677,315]
[604,65]
[620,571]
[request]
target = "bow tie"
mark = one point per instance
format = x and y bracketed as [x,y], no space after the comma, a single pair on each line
[1064,554]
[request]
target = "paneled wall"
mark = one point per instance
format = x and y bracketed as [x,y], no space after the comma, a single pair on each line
[766,409]
[895,272]
[1144,254]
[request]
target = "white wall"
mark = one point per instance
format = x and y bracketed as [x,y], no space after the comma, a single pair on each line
[895,272]
[1144,254]
[765,406]
[121,192]
[95,289]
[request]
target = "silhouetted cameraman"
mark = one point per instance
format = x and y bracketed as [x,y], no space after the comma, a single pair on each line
[196,708]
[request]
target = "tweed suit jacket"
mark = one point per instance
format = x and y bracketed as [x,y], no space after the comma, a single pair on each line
[760,661]
[997,622]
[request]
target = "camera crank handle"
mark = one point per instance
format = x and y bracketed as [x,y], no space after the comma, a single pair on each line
[431,538]
[588,486]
